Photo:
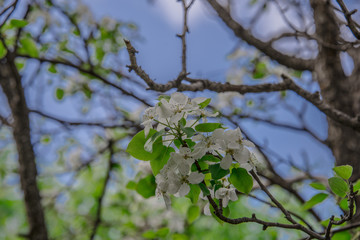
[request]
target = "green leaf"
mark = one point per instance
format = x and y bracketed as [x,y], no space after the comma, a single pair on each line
[59,93]
[52,68]
[19,23]
[150,234]
[87,91]
[357,185]
[29,47]
[204,189]
[283,94]
[344,204]
[162,232]
[260,70]
[241,180]
[3,50]
[203,166]
[182,122]
[344,171]
[158,163]
[194,193]
[210,158]
[76,32]
[226,211]
[179,236]
[297,73]
[136,146]
[217,172]
[318,198]
[45,139]
[177,143]
[318,186]
[188,131]
[193,213]
[344,235]
[99,53]
[19,65]
[166,97]
[190,143]
[338,186]
[250,103]
[207,127]
[205,103]
[325,223]
[149,143]
[131,185]
[146,187]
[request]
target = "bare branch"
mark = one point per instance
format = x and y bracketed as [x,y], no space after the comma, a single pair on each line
[287,84]
[88,71]
[273,199]
[12,6]
[350,22]
[183,72]
[126,124]
[265,47]
[5,121]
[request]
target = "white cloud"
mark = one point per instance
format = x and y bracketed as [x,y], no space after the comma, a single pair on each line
[172,11]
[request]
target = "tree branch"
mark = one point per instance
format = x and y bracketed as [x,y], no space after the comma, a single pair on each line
[350,22]
[101,197]
[200,85]
[87,71]
[265,47]
[78,123]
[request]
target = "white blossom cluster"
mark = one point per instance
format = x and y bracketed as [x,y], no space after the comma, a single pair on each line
[169,112]
[228,146]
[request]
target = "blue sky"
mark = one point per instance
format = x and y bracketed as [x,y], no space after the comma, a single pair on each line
[209,43]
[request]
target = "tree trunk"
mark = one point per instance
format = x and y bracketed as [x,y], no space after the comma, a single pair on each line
[340,91]
[10,82]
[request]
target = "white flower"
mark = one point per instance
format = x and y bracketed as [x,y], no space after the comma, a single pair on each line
[235,139]
[149,116]
[180,182]
[204,114]
[226,194]
[206,144]
[233,144]
[251,163]
[165,196]
[185,158]
[173,110]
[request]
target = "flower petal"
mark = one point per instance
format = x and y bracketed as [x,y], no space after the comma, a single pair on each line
[184,168]
[196,178]
[226,162]
[233,196]
[167,201]
[207,209]
[248,143]
[184,189]
[242,155]
[178,98]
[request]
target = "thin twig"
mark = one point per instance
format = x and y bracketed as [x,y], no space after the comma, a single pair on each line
[182,36]
[102,195]
[351,24]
